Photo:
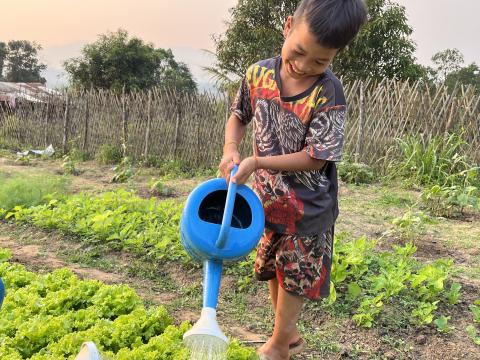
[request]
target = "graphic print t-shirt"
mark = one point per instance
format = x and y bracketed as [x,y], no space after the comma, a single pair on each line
[299,202]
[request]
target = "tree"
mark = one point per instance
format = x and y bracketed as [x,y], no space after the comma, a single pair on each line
[447,61]
[21,62]
[468,75]
[115,61]
[3,55]
[254,33]
[382,49]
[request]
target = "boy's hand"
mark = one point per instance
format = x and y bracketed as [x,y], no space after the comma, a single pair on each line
[245,169]
[231,157]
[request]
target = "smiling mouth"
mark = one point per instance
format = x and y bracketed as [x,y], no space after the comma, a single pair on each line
[295,72]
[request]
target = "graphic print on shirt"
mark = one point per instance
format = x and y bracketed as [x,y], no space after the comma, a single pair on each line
[313,122]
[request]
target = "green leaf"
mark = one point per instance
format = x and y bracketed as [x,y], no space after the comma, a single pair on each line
[354,290]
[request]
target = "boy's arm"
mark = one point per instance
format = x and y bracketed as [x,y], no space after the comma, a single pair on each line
[234,133]
[299,161]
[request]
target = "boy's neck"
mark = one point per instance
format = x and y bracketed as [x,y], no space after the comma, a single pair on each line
[291,86]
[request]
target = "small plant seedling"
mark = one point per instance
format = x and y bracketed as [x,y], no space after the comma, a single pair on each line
[442,324]
[68,166]
[158,188]
[475,309]
[472,332]
[453,295]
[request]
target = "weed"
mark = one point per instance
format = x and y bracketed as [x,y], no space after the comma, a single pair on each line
[355,173]
[410,225]
[68,166]
[430,161]
[123,171]
[109,154]
[450,200]
[77,154]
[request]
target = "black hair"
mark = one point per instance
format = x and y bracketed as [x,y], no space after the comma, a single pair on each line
[334,23]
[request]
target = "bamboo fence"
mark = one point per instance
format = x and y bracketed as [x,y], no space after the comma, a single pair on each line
[189,128]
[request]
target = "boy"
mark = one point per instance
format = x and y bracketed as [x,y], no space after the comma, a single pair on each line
[298,110]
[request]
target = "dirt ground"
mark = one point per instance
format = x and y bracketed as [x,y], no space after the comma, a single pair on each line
[247,316]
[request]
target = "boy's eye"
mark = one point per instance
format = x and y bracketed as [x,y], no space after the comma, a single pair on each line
[297,52]
[319,63]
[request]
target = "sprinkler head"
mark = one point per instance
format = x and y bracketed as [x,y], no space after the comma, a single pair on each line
[206,326]
[88,351]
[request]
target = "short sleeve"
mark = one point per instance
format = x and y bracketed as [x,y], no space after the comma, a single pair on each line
[242,106]
[325,136]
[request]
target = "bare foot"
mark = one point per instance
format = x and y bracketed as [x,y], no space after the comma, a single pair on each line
[274,351]
[295,337]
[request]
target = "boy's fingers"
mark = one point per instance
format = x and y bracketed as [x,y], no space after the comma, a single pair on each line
[236,159]
[230,167]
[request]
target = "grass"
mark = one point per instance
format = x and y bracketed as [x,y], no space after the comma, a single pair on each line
[28,190]
[394,199]
[89,257]
[459,234]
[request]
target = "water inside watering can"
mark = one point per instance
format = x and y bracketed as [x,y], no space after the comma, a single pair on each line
[212,208]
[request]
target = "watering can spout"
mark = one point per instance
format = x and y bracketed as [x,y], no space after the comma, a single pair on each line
[207,326]
[228,212]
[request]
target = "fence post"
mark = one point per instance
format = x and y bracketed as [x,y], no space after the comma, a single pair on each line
[149,120]
[177,124]
[361,124]
[66,123]
[124,123]
[85,133]
[45,123]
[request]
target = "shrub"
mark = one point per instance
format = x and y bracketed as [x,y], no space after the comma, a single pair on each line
[356,173]
[109,154]
[77,154]
[450,201]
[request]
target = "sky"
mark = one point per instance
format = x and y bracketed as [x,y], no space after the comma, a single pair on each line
[63,27]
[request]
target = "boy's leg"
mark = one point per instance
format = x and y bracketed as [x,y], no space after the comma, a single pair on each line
[286,316]
[273,287]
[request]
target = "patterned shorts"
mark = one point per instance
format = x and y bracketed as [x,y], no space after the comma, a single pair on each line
[301,264]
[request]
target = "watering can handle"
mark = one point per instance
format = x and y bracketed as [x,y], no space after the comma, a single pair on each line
[228,212]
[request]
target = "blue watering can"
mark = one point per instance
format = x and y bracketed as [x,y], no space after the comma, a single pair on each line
[218,223]
[2,292]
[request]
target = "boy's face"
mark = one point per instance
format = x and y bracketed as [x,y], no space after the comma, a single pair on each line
[302,55]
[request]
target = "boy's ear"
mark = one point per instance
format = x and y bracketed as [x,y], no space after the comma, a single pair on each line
[288,26]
